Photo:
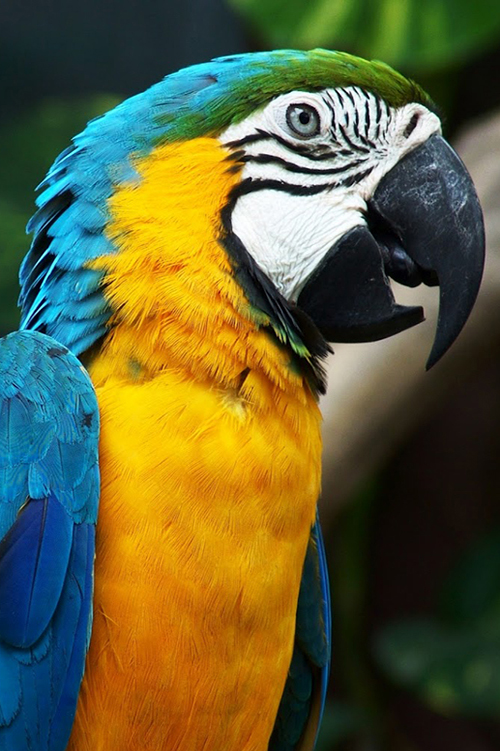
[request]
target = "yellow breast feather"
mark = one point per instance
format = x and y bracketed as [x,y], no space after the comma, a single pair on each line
[210,458]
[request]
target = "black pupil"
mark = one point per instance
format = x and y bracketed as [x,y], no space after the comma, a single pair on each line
[305,117]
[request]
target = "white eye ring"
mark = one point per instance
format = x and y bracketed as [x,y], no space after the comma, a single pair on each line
[303,120]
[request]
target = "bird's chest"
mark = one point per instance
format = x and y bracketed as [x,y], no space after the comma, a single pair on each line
[205,514]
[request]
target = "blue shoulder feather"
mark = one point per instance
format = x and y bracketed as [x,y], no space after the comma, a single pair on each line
[303,700]
[49,485]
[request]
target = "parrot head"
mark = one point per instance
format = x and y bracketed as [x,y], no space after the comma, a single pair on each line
[350,184]
[342,183]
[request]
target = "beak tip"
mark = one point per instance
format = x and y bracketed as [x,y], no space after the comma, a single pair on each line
[445,237]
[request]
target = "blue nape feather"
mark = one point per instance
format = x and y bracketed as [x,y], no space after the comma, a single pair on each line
[49,475]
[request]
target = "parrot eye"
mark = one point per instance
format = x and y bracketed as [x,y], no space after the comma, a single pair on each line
[303,120]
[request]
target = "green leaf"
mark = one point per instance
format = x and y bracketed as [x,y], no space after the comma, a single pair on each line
[414,35]
[452,670]
[472,590]
[341,721]
[452,662]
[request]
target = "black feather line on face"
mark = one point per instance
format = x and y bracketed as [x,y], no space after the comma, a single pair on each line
[288,322]
[314,152]
[290,166]
[251,185]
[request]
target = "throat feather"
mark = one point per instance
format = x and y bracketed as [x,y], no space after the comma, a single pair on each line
[176,299]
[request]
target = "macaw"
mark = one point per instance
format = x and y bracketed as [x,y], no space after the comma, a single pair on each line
[195,250]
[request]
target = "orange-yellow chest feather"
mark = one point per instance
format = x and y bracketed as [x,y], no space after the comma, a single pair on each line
[210,455]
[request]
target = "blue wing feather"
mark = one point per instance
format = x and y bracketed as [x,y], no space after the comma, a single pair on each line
[49,489]
[326,612]
[31,575]
[303,700]
[72,644]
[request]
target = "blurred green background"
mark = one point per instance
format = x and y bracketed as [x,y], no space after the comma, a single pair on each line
[415,555]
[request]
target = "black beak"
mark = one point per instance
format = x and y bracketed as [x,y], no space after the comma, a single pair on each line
[424,225]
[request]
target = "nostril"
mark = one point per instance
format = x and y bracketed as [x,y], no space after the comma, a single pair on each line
[411,125]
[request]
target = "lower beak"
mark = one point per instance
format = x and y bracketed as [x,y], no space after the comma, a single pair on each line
[424,224]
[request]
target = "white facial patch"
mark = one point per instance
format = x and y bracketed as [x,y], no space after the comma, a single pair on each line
[312,162]
[288,235]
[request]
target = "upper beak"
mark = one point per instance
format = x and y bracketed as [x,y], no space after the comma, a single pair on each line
[424,225]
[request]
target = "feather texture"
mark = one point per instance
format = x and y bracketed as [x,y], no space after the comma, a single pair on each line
[49,478]
[301,707]
[210,457]
[211,598]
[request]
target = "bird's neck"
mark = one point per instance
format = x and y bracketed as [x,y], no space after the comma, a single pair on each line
[171,284]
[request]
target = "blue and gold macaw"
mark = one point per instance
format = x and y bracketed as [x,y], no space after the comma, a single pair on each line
[193,252]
